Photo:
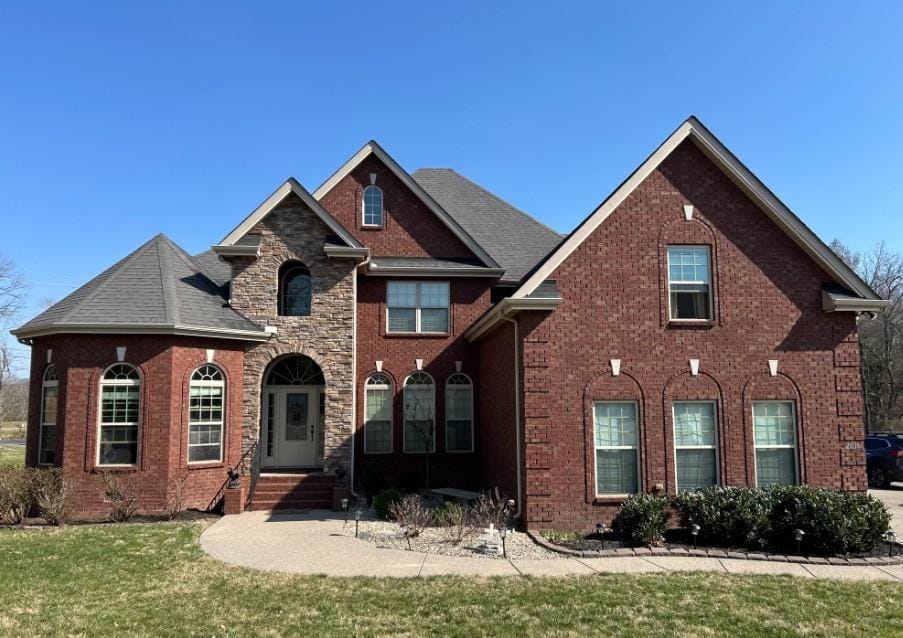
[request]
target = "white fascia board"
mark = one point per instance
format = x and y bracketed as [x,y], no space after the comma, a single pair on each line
[372,148]
[832,303]
[291,185]
[411,271]
[505,309]
[236,250]
[740,175]
[143,329]
[347,252]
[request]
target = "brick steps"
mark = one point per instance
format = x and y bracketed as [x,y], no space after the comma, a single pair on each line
[293,492]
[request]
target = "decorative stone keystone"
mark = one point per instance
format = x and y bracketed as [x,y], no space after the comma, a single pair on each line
[372,178]
[458,365]
[379,366]
[49,355]
[120,353]
[210,354]
[773,367]
[615,367]
[688,211]
[694,367]
[419,363]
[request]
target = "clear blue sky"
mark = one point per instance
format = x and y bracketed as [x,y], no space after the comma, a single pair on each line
[121,120]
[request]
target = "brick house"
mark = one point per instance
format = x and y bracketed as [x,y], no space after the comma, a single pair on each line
[396,329]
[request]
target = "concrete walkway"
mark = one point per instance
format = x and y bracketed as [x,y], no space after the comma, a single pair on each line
[317,543]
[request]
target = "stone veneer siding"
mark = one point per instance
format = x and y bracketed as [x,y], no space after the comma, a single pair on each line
[293,232]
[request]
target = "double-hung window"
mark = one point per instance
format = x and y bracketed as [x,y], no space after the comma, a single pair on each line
[47,433]
[205,415]
[378,414]
[695,445]
[617,448]
[417,307]
[459,413]
[774,431]
[120,392]
[690,283]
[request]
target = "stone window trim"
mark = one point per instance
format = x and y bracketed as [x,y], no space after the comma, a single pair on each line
[97,465]
[695,232]
[186,415]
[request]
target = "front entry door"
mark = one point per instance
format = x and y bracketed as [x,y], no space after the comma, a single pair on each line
[294,430]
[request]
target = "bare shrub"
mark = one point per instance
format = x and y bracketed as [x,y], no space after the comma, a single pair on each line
[52,495]
[412,514]
[175,496]
[120,491]
[456,522]
[492,508]
[16,493]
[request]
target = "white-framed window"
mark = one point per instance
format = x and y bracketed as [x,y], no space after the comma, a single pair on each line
[419,413]
[695,444]
[690,283]
[373,206]
[206,410]
[459,413]
[378,414]
[774,434]
[120,409]
[417,307]
[47,429]
[617,450]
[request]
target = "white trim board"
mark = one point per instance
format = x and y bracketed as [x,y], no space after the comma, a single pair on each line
[291,185]
[372,148]
[740,175]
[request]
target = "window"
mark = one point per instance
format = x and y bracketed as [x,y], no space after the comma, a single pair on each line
[417,306]
[617,448]
[47,431]
[120,392]
[689,282]
[419,419]
[459,413]
[294,290]
[378,414]
[695,445]
[373,206]
[774,430]
[876,444]
[205,415]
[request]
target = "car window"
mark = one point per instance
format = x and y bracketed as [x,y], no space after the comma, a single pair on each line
[876,444]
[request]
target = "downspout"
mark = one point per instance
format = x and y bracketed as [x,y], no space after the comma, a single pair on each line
[517,420]
[354,371]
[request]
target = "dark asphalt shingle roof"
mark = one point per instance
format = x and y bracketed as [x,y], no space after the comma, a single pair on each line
[512,238]
[158,284]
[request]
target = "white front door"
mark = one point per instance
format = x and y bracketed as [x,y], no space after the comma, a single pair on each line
[291,427]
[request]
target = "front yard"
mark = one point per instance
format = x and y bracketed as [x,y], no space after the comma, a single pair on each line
[153,579]
[12,454]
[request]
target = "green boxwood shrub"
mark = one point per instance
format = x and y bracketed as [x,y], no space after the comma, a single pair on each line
[642,520]
[383,502]
[727,516]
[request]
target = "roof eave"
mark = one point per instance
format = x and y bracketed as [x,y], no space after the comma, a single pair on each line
[144,329]
[505,309]
[236,250]
[347,252]
[843,303]
[415,271]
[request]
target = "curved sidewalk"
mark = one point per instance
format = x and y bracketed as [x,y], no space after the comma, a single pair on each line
[318,542]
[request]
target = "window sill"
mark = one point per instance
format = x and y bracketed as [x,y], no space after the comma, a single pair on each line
[113,469]
[389,453]
[417,335]
[610,499]
[364,227]
[205,465]
[691,324]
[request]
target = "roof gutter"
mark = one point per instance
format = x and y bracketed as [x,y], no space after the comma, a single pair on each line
[843,303]
[506,308]
[414,271]
[237,250]
[347,252]
[153,329]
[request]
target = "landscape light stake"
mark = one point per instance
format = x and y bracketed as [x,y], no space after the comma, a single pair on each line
[891,538]
[694,530]
[798,537]
[357,520]
[600,531]
[345,508]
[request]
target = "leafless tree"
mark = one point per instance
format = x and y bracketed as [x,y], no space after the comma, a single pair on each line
[419,414]
[881,338]
[12,298]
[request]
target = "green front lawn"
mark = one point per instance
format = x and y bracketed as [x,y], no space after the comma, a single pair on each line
[12,454]
[153,580]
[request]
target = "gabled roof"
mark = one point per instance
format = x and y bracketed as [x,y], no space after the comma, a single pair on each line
[290,185]
[372,148]
[513,238]
[157,289]
[693,130]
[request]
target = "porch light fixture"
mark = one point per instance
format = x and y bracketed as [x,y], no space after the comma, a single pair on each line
[891,538]
[798,537]
[694,530]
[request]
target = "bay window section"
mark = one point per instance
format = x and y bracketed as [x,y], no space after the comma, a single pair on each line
[774,432]
[419,307]
[689,283]
[616,448]
[695,445]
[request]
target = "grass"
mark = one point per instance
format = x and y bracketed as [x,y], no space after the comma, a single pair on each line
[12,455]
[153,580]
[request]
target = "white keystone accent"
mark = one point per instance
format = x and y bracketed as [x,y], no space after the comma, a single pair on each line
[120,353]
[372,178]
[210,354]
[419,363]
[688,211]
[379,366]
[694,367]
[615,367]
[458,365]
[49,355]
[773,367]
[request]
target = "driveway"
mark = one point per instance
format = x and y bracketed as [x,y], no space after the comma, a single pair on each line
[893,499]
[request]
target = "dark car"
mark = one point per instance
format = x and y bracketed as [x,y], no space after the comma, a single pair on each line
[884,458]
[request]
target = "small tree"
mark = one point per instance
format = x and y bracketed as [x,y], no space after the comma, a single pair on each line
[419,419]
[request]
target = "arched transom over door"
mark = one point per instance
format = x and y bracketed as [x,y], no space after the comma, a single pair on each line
[293,402]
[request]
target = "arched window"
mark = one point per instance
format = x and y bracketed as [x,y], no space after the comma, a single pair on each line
[373,206]
[378,414]
[459,413]
[47,431]
[206,405]
[294,290]
[419,413]
[120,392]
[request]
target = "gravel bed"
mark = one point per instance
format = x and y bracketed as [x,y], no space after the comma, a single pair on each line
[433,541]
